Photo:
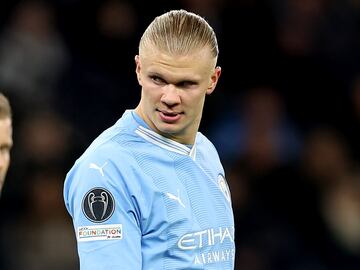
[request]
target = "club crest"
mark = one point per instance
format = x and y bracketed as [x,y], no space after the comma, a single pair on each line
[224,187]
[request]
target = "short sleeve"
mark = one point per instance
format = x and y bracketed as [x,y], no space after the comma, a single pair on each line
[104,216]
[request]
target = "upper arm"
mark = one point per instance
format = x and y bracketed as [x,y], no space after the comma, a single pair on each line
[105,219]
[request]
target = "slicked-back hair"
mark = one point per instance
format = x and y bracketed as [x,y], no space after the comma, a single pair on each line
[179,32]
[5,109]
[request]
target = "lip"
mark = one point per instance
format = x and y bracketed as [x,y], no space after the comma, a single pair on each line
[169,117]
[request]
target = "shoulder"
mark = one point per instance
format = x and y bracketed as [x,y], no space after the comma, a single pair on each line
[202,142]
[106,161]
[117,157]
[115,143]
[109,166]
[206,154]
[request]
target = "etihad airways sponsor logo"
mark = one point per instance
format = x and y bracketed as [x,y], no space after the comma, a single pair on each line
[208,237]
[215,256]
[99,232]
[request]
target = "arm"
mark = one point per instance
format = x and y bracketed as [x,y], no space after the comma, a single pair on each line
[105,219]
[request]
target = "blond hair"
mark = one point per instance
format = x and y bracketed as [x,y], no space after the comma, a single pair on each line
[179,32]
[5,108]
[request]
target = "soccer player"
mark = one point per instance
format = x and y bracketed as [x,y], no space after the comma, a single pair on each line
[150,191]
[6,140]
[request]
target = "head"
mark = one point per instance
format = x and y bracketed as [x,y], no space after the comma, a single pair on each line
[176,68]
[5,137]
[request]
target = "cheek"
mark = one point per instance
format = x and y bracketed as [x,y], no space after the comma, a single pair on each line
[196,101]
[7,158]
[5,161]
[151,93]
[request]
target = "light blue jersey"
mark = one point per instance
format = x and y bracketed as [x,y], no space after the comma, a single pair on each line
[142,201]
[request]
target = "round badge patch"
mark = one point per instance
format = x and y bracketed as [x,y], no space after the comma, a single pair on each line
[224,187]
[98,205]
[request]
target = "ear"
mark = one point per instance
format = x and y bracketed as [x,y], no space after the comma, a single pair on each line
[213,80]
[138,68]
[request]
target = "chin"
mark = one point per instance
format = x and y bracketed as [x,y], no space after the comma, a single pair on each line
[166,130]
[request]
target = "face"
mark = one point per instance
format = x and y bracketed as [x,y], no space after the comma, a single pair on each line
[5,146]
[174,90]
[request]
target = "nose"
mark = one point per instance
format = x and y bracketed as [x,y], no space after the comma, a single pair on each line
[170,95]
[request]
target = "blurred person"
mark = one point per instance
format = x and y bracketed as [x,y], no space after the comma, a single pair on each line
[341,210]
[43,139]
[325,156]
[41,238]
[32,55]
[6,140]
[328,220]
[52,145]
[150,192]
[102,45]
[317,51]
[33,203]
[298,24]
[259,131]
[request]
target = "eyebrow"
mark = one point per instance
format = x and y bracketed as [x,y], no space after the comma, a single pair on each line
[177,81]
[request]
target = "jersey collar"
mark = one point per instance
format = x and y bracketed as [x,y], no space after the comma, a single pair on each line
[166,143]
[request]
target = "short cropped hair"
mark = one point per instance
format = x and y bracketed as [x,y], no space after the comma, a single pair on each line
[5,108]
[179,32]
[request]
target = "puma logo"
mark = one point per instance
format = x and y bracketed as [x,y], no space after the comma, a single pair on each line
[96,167]
[175,198]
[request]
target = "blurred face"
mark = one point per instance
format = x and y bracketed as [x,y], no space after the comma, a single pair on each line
[174,90]
[5,146]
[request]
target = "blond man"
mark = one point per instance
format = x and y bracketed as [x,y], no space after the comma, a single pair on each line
[150,191]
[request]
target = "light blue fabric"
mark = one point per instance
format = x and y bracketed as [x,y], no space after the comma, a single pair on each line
[167,207]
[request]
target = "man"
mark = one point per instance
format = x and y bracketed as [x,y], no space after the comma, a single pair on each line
[6,141]
[150,192]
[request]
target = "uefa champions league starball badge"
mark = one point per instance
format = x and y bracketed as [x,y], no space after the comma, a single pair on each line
[98,205]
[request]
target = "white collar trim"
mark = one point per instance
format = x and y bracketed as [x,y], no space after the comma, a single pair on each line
[165,143]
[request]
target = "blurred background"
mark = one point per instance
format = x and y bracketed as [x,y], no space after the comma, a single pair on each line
[285,119]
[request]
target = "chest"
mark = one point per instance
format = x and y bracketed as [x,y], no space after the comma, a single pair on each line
[190,216]
[192,195]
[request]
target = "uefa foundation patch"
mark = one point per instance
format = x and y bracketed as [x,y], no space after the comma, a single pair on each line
[99,232]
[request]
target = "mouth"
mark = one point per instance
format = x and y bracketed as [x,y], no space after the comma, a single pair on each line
[169,116]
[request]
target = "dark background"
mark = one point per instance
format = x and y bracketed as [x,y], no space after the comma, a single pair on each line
[285,118]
